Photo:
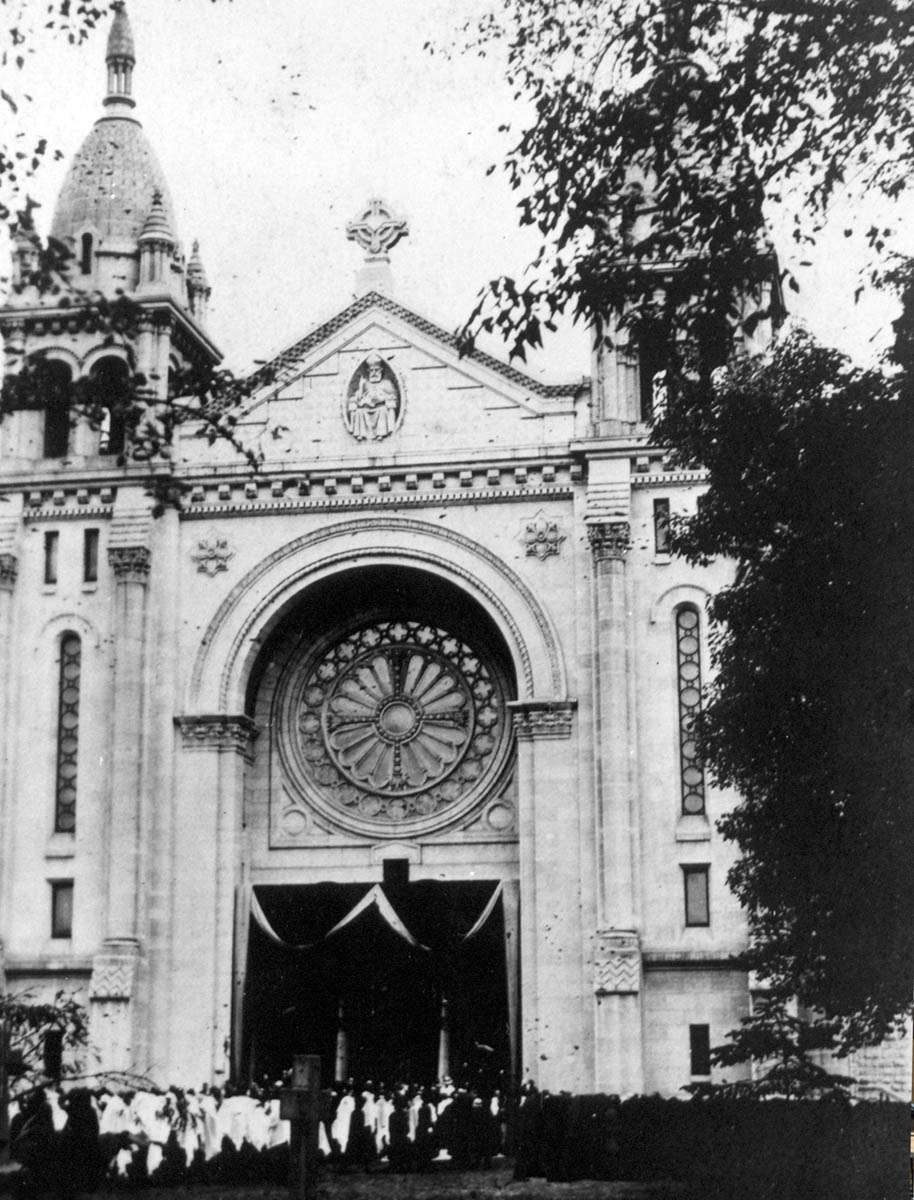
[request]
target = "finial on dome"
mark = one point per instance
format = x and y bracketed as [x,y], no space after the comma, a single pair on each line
[377,229]
[198,289]
[121,59]
[156,227]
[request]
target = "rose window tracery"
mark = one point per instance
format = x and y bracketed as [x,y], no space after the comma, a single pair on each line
[398,720]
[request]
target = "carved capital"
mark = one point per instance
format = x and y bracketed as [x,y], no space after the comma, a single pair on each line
[215,731]
[130,563]
[9,569]
[114,972]
[609,541]
[617,963]
[543,718]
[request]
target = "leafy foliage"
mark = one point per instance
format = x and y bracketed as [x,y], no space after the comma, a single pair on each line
[810,715]
[22,22]
[28,1023]
[661,129]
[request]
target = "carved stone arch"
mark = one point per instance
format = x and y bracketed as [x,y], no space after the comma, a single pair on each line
[63,355]
[254,607]
[681,593]
[55,627]
[98,353]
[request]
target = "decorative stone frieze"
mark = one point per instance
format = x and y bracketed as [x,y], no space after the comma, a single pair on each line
[215,731]
[212,554]
[543,718]
[130,563]
[114,972]
[610,541]
[617,963]
[542,536]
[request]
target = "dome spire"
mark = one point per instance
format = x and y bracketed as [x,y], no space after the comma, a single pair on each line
[120,59]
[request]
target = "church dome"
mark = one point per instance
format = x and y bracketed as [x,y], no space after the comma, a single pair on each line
[111,182]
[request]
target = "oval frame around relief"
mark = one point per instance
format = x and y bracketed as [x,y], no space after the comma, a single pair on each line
[392,376]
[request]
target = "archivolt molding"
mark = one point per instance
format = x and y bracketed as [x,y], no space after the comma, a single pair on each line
[361,543]
[681,593]
[65,623]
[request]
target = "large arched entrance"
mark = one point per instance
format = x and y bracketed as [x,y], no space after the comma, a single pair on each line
[383,934]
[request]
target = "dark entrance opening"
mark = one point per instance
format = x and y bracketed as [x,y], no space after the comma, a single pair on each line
[367,985]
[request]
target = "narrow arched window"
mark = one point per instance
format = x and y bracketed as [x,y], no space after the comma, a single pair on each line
[688,670]
[56,383]
[109,397]
[67,733]
[85,254]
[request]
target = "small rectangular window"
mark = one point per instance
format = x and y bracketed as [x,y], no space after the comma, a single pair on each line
[700,1049]
[90,556]
[62,909]
[51,543]
[662,526]
[697,909]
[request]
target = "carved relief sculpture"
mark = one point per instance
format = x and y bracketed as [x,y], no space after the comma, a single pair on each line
[372,401]
[617,964]
[542,536]
[212,554]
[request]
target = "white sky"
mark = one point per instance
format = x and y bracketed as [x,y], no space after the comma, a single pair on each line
[276,120]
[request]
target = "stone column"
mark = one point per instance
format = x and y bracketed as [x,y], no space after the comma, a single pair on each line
[115,1035]
[617,959]
[552,987]
[208,864]
[9,569]
[22,432]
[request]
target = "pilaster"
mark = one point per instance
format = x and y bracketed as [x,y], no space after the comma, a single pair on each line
[555,1002]
[116,1025]
[9,570]
[215,749]
[617,968]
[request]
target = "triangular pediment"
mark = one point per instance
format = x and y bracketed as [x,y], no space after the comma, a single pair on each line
[377,377]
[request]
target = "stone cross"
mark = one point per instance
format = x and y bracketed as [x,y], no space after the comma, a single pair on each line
[377,229]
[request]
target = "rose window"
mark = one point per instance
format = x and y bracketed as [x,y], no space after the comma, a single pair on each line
[398,721]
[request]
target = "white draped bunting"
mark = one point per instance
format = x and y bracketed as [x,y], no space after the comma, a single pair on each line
[373,898]
[486,913]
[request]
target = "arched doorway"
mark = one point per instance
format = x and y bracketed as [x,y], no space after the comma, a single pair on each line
[382,698]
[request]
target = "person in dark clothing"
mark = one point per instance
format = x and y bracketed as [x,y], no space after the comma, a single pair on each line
[399,1147]
[80,1154]
[426,1143]
[33,1142]
[529,1131]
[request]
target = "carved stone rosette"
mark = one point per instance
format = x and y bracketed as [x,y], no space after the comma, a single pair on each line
[617,963]
[609,541]
[214,731]
[212,554]
[543,718]
[9,570]
[130,564]
[542,536]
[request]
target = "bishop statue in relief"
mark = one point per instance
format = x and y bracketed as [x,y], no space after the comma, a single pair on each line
[373,404]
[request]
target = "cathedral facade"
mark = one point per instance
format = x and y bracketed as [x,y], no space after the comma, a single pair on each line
[383,752]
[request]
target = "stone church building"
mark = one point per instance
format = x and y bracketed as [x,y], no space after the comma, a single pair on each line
[384,752]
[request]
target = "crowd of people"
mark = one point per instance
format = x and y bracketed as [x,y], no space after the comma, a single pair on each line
[79,1140]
